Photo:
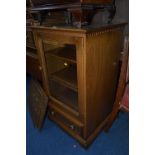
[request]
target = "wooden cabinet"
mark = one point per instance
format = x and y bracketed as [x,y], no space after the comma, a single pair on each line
[79,69]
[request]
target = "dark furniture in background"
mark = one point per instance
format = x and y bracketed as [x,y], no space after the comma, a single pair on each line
[77,12]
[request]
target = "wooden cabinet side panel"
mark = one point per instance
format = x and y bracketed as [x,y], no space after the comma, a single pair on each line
[102,57]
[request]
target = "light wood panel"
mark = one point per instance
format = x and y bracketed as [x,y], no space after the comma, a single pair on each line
[102,57]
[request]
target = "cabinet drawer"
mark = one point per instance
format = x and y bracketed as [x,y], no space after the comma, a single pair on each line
[64,122]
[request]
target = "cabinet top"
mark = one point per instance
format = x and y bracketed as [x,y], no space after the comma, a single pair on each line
[84,29]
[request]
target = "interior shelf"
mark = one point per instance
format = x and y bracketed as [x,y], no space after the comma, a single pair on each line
[67,77]
[67,53]
[64,95]
[62,71]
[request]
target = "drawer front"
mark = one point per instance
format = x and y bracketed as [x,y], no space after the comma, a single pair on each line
[32,67]
[62,121]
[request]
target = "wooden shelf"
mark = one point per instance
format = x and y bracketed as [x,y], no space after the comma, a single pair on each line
[67,77]
[67,53]
[64,95]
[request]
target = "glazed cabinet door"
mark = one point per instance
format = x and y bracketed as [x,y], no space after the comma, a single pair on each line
[61,57]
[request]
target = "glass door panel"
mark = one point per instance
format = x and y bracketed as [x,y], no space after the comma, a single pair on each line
[62,73]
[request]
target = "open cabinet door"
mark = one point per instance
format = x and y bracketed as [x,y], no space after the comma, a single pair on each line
[37,103]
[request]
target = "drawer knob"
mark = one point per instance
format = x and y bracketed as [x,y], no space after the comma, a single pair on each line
[72,127]
[52,113]
[65,64]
